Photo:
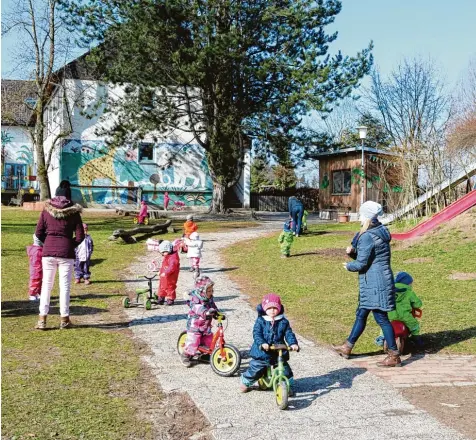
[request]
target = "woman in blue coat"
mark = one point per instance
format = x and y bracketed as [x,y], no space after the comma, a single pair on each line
[371,251]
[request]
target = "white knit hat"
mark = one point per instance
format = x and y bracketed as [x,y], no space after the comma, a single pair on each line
[165,246]
[194,236]
[370,210]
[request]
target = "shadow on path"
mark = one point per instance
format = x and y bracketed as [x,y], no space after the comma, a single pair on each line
[309,389]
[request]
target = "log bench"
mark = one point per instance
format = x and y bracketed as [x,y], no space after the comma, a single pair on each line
[127,235]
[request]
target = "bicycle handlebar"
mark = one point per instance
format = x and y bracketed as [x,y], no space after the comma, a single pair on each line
[146,277]
[277,347]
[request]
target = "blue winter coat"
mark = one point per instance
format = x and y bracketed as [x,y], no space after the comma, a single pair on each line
[265,333]
[376,285]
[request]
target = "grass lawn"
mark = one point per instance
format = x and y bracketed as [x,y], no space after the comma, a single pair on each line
[79,383]
[320,296]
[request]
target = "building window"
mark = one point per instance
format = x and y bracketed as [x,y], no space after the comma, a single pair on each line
[341,182]
[146,152]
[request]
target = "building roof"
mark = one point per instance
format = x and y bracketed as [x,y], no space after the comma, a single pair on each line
[344,151]
[18,101]
[78,69]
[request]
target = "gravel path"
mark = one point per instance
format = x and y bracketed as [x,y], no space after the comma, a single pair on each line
[334,398]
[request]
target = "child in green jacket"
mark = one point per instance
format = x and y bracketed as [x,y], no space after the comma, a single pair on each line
[405,301]
[286,239]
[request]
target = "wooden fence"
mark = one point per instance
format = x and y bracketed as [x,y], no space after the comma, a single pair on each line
[278,201]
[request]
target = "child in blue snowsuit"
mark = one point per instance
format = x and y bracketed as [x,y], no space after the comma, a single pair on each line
[82,261]
[271,327]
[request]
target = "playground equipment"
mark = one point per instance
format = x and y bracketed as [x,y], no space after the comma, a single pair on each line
[147,294]
[401,332]
[451,211]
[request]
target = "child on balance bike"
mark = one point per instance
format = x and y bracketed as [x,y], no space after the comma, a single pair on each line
[271,327]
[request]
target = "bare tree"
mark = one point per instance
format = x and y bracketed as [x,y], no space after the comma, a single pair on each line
[462,133]
[46,44]
[415,109]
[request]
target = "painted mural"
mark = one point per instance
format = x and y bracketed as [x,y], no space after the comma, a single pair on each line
[113,175]
[18,170]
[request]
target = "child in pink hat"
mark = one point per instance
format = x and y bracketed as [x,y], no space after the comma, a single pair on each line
[271,327]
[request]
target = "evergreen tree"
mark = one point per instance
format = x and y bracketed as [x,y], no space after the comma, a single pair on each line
[225,70]
[261,173]
[377,135]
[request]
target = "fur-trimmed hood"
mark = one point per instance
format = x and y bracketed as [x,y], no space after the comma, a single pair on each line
[60,207]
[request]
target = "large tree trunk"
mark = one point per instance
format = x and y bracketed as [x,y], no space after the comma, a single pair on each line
[42,172]
[218,198]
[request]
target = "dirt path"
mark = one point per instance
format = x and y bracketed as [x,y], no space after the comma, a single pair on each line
[335,398]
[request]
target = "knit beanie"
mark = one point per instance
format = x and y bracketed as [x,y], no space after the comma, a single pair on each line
[194,236]
[404,278]
[370,210]
[85,226]
[202,282]
[288,224]
[271,300]
[189,217]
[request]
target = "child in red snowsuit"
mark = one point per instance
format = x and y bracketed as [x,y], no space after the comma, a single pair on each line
[142,212]
[35,254]
[169,272]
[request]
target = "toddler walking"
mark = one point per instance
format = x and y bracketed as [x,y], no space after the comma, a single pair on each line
[194,252]
[35,253]
[143,212]
[82,263]
[199,322]
[168,274]
[271,327]
[286,239]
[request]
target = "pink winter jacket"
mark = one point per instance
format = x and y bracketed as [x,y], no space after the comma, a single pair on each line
[35,253]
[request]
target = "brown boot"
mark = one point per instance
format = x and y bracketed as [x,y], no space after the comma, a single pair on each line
[344,350]
[392,360]
[65,322]
[41,324]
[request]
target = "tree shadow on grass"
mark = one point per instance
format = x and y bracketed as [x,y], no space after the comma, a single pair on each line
[97,261]
[309,389]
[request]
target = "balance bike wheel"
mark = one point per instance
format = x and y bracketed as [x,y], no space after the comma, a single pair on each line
[148,304]
[181,342]
[282,395]
[226,367]
[146,221]
[126,302]
[135,220]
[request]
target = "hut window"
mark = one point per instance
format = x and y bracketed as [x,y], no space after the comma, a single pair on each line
[341,182]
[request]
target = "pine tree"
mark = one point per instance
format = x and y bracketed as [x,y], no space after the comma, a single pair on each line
[226,71]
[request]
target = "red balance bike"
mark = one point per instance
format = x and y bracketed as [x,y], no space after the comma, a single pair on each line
[401,332]
[225,359]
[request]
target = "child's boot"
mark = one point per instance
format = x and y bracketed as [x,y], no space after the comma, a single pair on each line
[41,324]
[392,360]
[77,280]
[88,281]
[185,359]
[65,322]
[161,301]
[244,388]
[344,350]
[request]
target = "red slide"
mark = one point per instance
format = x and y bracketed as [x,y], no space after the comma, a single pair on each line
[451,211]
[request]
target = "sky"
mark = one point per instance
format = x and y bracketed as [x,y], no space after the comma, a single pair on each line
[441,30]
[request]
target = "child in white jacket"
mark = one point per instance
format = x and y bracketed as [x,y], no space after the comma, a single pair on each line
[194,252]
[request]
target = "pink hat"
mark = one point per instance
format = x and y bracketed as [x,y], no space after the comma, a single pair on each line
[271,300]
[203,282]
[85,226]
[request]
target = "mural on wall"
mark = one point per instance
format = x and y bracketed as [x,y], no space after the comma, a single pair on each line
[17,163]
[113,174]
